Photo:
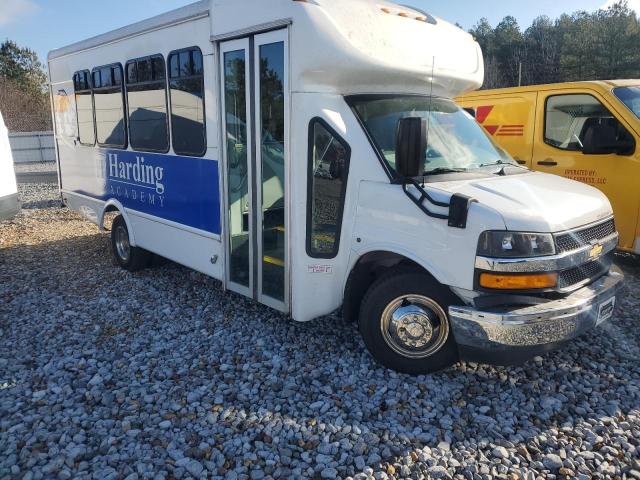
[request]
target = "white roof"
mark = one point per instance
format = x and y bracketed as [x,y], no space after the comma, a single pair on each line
[339,46]
[179,15]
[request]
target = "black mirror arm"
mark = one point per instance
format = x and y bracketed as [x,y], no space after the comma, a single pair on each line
[458,207]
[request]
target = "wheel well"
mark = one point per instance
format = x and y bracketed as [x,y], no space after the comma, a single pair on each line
[367,270]
[109,214]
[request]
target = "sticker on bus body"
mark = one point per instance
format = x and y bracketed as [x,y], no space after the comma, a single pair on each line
[326,269]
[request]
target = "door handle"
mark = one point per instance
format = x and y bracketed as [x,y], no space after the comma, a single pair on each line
[549,162]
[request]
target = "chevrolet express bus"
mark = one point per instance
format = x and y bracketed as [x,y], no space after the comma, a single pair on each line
[309,155]
[585,131]
[9,204]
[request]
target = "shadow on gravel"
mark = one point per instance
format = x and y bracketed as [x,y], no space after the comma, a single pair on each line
[41,204]
[168,343]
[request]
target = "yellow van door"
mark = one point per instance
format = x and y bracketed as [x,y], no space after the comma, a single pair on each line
[509,119]
[581,137]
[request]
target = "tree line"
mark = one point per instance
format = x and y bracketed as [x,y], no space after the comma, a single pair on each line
[581,46]
[24,98]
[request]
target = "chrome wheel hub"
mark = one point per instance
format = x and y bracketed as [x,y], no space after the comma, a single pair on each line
[414,326]
[123,248]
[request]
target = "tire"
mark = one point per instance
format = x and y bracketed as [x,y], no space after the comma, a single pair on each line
[130,258]
[419,340]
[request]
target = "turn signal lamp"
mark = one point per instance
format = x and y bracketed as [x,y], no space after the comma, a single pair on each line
[518,282]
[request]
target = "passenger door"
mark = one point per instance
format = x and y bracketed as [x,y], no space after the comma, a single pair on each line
[568,124]
[254,105]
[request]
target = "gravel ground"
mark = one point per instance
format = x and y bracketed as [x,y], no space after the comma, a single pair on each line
[35,167]
[106,374]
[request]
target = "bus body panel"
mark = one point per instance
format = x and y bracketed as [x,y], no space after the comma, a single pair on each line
[169,200]
[613,174]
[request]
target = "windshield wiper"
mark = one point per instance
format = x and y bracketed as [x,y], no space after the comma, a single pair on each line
[443,170]
[500,163]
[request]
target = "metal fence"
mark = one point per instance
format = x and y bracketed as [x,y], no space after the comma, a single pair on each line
[32,147]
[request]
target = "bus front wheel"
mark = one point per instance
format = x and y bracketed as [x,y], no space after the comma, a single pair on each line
[404,323]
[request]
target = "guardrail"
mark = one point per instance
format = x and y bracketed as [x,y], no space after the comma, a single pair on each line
[32,147]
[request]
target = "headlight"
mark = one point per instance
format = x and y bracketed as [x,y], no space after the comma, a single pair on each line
[515,245]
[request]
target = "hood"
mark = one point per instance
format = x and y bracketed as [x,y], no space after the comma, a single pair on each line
[536,202]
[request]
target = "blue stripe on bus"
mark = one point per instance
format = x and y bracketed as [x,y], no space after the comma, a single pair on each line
[185,190]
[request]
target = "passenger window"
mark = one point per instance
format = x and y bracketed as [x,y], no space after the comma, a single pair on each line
[579,122]
[109,106]
[329,159]
[147,103]
[186,84]
[84,107]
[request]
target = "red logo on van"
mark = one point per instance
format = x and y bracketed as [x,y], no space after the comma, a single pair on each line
[482,113]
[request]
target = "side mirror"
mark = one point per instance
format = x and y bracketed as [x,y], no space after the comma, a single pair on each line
[411,146]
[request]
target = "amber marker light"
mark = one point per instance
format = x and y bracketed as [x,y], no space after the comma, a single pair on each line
[518,282]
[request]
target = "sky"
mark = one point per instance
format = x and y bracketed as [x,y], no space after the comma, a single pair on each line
[43,25]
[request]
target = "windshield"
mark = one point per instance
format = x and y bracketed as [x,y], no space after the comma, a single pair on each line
[455,140]
[630,96]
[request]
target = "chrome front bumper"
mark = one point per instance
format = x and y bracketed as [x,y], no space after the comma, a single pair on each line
[536,327]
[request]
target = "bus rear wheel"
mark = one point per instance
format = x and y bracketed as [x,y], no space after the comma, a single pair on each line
[127,256]
[404,323]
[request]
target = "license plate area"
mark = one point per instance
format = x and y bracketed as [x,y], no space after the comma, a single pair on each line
[605,310]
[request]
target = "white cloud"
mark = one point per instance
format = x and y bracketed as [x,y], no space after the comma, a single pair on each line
[11,10]
[633,4]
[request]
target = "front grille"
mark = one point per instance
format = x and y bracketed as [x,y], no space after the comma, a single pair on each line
[566,242]
[589,271]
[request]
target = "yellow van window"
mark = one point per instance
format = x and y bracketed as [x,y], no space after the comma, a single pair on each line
[575,119]
[630,96]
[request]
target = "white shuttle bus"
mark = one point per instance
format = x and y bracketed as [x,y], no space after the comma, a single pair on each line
[308,154]
[9,203]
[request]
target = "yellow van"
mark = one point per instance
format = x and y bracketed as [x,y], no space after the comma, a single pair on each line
[586,131]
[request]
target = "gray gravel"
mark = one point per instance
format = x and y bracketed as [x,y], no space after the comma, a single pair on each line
[106,374]
[35,167]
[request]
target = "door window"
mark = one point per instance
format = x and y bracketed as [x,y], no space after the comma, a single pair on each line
[235,101]
[329,159]
[272,152]
[581,123]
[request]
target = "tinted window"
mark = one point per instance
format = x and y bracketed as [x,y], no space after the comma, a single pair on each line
[186,85]
[328,171]
[630,96]
[271,168]
[570,119]
[147,102]
[84,107]
[109,106]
